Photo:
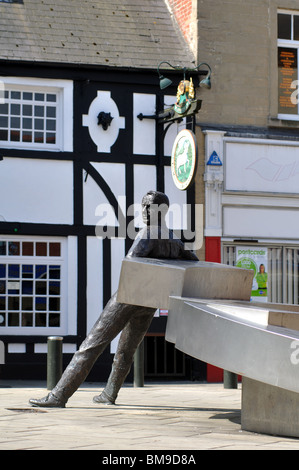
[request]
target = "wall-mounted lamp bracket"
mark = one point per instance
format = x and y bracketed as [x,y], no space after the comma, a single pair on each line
[170,114]
[163,116]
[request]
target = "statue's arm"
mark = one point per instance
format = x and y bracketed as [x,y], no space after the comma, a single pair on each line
[140,248]
[186,254]
[189,254]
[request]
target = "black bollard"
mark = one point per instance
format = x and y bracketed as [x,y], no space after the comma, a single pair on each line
[54,361]
[139,366]
[2,353]
[230,380]
[2,359]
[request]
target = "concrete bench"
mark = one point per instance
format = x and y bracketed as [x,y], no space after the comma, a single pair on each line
[211,318]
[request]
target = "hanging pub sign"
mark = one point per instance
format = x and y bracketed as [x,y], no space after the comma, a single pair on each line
[184,159]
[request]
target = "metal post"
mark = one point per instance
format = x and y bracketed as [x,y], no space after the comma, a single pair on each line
[139,366]
[2,359]
[54,361]
[230,380]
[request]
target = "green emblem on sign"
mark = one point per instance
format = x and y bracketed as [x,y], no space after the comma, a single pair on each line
[184,159]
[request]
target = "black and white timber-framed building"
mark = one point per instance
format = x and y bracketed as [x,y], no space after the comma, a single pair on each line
[62,175]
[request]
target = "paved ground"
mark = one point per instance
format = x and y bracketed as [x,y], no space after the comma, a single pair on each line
[173,417]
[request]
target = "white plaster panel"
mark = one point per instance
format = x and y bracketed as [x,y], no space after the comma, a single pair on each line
[16,348]
[261,167]
[38,191]
[145,179]
[72,285]
[94,280]
[177,214]
[96,205]
[114,175]
[42,348]
[117,255]
[257,222]
[69,348]
[144,131]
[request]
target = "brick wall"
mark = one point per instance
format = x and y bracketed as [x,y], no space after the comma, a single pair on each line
[182,10]
[185,14]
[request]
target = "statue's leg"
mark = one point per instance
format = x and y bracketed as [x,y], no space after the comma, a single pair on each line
[129,340]
[112,320]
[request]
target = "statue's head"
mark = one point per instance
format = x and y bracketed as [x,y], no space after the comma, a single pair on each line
[154,207]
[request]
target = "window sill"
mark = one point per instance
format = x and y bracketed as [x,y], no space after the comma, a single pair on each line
[284,122]
[22,146]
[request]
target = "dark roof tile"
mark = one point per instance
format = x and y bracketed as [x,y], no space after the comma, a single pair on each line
[127,33]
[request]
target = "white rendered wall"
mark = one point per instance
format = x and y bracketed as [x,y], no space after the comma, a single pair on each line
[259,222]
[94,291]
[36,191]
[262,167]
[114,175]
[261,181]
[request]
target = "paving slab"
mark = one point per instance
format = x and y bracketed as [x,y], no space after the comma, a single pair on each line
[173,417]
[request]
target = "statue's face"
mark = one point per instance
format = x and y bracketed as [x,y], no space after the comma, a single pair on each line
[148,210]
[153,213]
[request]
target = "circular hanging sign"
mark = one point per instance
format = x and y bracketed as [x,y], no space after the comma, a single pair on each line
[184,159]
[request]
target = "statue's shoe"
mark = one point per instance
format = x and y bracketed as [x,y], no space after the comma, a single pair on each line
[103,398]
[50,401]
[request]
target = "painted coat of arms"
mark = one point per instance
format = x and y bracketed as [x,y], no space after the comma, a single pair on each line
[184,159]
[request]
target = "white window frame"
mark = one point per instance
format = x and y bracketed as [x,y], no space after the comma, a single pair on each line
[64,118]
[65,284]
[290,43]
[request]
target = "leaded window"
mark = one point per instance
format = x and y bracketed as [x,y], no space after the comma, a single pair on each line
[28,117]
[31,284]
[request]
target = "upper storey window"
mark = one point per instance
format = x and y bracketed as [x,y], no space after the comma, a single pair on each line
[29,117]
[288,47]
[32,114]
[288,26]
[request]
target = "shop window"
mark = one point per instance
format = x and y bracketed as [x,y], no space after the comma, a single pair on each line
[31,285]
[288,46]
